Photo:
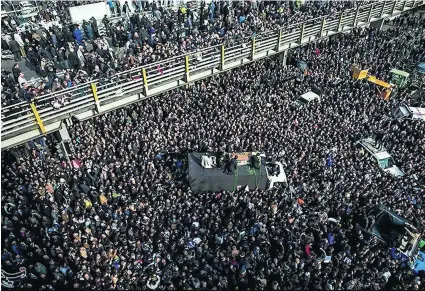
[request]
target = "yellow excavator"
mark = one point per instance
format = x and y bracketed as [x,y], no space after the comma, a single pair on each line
[359,74]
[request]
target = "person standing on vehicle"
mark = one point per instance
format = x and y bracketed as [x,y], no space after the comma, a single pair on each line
[106,24]
[88,29]
[21,43]
[16,72]
[14,48]
[77,34]
[94,27]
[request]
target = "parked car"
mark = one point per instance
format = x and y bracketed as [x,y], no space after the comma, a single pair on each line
[27,10]
[306,98]
[406,112]
[380,156]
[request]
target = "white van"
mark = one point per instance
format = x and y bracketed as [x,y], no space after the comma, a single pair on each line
[306,98]
[405,112]
[381,156]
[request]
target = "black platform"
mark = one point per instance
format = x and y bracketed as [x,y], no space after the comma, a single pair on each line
[214,180]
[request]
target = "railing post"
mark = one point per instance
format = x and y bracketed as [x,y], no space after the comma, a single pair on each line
[404,5]
[222,58]
[145,81]
[339,23]
[252,48]
[302,33]
[187,68]
[369,15]
[356,16]
[37,118]
[394,5]
[322,28]
[279,37]
[96,98]
[383,7]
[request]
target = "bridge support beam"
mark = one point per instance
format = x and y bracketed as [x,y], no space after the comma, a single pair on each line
[63,147]
[282,57]
[63,132]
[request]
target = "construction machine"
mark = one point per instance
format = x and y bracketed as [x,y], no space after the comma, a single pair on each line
[359,74]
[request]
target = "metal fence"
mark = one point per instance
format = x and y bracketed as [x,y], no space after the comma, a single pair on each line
[25,121]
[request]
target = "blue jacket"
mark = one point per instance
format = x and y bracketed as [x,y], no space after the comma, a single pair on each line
[78,35]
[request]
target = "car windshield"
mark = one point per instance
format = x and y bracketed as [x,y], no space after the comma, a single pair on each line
[302,101]
[386,163]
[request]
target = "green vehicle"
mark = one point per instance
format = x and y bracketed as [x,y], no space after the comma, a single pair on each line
[399,77]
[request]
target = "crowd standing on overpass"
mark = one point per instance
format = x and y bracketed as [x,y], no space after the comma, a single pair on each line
[145,35]
[121,215]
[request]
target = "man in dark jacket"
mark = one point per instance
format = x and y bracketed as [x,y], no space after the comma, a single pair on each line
[14,48]
[73,61]
[62,59]
[94,27]
[32,57]
[16,71]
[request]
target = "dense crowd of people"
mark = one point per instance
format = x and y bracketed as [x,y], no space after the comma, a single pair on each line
[56,46]
[121,213]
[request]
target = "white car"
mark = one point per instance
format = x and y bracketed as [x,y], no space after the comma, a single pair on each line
[381,156]
[306,98]
[28,26]
[27,10]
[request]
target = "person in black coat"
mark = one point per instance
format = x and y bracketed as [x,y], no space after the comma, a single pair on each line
[32,57]
[7,80]
[62,59]
[94,27]
[16,71]
[74,61]
[14,48]
[231,166]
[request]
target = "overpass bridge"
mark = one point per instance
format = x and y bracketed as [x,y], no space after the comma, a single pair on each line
[26,121]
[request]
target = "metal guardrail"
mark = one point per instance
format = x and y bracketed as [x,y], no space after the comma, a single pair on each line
[25,121]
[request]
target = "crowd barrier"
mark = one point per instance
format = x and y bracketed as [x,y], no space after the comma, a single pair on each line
[24,121]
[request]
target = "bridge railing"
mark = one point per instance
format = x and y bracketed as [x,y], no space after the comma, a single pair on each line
[151,79]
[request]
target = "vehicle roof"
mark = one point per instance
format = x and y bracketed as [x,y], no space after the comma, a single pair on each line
[417,112]
[400,72]
[405,110]
[382,155]
[309,96]
[369,145]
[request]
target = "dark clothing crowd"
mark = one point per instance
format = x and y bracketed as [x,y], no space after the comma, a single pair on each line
[119,214]
[65,54]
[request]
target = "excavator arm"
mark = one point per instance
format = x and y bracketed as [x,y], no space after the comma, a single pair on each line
[364,74]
